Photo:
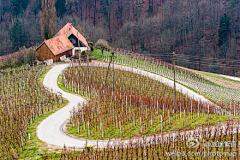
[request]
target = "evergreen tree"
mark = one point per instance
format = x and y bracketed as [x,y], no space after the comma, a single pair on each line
[214,67]
[48,18]
[104,9]
[18,6]
[61,7]
[223,30]
[150,8]
[17,36]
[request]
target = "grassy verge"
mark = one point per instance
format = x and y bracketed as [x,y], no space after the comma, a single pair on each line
[41,76]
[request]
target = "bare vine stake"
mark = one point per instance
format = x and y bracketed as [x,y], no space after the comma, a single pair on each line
[140,126]
[146,113]
[191,110]
[101,129]
[208,112]
[180,111]
[198,108]
[234,113]
[78,125]
[230,111]
[151,118]
[88,129]
[83,120]
[126,105]
[120,129]
[134,123]
[184,119]
[161,124]
[163,110]
[168,117]
[108,71]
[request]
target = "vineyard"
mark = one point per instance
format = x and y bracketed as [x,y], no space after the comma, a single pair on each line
[210,90]
[215,144]
[23,99]
[134,114]
[132,106]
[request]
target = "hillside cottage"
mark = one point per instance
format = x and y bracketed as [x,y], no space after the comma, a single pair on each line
[66,42]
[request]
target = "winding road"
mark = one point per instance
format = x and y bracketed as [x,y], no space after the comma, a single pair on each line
[50,130]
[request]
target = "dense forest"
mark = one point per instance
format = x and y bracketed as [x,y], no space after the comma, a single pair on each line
[204,34]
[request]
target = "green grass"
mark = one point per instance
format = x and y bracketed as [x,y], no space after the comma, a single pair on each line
[68,90]
[130,130]
[98,54]
[216,78]
[42,75]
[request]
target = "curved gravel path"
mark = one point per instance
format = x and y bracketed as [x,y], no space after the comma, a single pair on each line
[50,130]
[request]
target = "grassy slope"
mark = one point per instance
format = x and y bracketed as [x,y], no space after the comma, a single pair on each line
[98,54]
[216,78]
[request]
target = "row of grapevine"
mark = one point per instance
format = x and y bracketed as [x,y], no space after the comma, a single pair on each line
[22,99]
[138,106]
[210,90]
[210,143]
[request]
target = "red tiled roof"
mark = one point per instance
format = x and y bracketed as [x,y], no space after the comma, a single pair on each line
[59,44]
[68,29]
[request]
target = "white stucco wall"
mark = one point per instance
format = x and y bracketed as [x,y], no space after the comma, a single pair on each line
[79,49]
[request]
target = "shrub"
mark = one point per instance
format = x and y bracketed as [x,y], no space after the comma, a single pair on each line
[75,56]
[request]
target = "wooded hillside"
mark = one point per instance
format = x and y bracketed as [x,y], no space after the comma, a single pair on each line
[204,34]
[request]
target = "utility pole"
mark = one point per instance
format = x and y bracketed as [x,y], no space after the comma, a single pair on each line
[108,71]
[174,80]
[79,52]
[87,52]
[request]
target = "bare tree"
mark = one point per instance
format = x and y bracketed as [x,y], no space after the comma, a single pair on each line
[48,19]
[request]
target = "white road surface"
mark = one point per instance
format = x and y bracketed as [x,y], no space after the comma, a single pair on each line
[232,78]
[50,130]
